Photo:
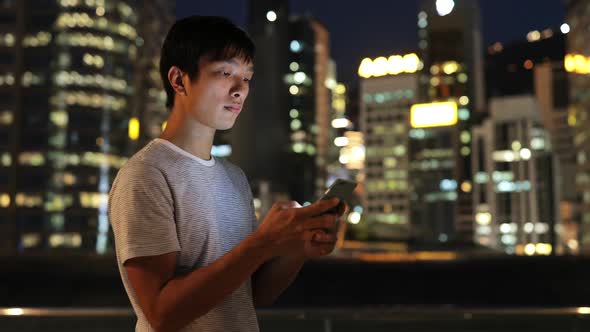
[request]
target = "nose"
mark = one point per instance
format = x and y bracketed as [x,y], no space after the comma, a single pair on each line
[239,89]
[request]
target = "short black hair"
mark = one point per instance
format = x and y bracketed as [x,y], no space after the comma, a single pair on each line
[194,37]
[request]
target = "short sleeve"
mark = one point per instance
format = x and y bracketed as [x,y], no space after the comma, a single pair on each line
[141,212]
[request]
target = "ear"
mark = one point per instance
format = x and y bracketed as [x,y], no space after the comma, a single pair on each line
[175,77]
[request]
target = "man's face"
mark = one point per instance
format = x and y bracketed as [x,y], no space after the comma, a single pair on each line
[219,92]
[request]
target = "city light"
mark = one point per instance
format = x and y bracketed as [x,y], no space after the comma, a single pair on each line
[583,310]
[134,128]
[525,154]
[340,123]
[483,218]
[295,46]
[577,63]
[433,115]
[293,89]
[543,248]
[299,77]
[341,141]
[394,65]
[450,67]
[294,66]
[271,16]
[354,217]
[565,28]
[4,200]
[13,311]
[444,7]
[533,36]
[529,249]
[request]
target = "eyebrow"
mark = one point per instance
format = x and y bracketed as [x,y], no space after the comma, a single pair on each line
[234,62]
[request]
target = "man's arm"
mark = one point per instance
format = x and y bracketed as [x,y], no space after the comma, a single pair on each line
[170,303]
[274,277]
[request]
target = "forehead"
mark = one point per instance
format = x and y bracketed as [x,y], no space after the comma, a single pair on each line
[235,61]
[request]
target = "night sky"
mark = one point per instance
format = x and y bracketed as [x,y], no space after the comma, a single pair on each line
[370,28]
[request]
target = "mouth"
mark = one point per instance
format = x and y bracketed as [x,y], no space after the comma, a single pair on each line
[236,109]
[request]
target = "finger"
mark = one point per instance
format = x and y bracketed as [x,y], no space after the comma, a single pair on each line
[322,249]
[342,208]
[284,205]
[326,221]
[323,237]
[317,207]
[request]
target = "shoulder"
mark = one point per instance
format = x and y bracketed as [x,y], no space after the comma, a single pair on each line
[233,169]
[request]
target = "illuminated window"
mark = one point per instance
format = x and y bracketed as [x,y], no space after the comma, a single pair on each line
[42,38]
[31,240]
[4,200]
[6,118]
[93,199]
[7,39]
[69,240]
[29,200]
[31,159]
[6,159]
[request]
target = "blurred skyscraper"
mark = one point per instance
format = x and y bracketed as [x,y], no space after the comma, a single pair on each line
[440,153]
[281,140]
[534,67]
[67,116]
[388,89]
[577,64]
[515,185]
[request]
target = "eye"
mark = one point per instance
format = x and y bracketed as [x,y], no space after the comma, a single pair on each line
[225,73]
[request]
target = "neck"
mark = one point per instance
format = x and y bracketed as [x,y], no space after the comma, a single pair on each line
[188,134]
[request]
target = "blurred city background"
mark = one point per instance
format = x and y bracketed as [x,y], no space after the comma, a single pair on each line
[466,124]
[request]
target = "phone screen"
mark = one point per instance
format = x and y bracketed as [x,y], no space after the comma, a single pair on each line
[341,189]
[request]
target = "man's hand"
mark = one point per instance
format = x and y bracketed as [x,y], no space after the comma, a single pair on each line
[288,228]
[323,241]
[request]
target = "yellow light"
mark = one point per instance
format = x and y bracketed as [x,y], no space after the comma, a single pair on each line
[380,66]
[100,11]
[450,67]
[4,200]
[340,89]
[394,65]
[483,218]
[134,128]
[164,125]
[433,115]
[583,310]
[366,68]
[293,90]
[13,311]
[466,186]
[543,248]
[569,63]
[529,249]
[464,100]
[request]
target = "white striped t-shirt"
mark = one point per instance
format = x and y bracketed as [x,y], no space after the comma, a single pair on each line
[165,199]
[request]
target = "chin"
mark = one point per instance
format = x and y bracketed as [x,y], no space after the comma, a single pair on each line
[225,126]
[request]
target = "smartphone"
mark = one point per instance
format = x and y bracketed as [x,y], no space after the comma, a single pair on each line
[342,189]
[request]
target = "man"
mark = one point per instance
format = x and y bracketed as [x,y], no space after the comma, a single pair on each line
[190,252]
